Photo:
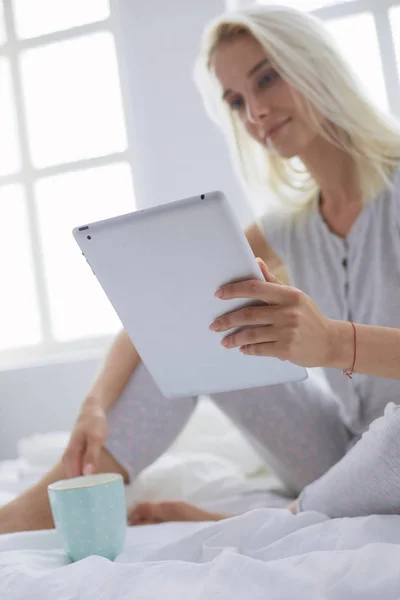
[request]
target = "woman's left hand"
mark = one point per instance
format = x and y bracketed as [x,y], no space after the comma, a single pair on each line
[289,327]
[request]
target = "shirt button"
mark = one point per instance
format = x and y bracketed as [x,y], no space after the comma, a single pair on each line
[344,263]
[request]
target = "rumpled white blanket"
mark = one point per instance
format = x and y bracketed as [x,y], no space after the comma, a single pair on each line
[265,554]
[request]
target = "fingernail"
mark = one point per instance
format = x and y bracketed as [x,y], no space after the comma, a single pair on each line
[216,326]
[219,293]
[88,469]
[225,343]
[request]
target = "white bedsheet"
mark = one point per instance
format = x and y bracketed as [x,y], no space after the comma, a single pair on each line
[263,554]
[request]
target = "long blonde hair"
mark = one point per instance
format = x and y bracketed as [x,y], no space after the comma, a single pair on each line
[306,56]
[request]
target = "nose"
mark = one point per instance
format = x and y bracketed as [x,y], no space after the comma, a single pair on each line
[256,112]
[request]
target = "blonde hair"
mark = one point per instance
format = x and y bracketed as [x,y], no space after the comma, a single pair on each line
[306,56]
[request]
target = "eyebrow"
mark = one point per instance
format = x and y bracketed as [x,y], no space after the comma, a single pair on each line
[252,71]
[257,67]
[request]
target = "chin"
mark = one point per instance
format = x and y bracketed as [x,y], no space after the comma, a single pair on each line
[284,152]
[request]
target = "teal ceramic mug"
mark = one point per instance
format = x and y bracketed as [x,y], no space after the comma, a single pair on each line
[90,515]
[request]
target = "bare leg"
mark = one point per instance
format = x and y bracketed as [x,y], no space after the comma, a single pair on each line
[31,510]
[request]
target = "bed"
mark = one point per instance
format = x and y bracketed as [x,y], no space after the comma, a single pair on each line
[265,553]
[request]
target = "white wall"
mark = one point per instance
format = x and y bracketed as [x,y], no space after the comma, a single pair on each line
[41,398]
[176,152]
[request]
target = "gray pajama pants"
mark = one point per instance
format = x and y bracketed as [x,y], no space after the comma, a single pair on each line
[297,430]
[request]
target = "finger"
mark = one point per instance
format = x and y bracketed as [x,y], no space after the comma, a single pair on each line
[88,468]
[270,277]
[73,456]
[91,457]
[253,335]
[260,290]
[249,315]
[270,349]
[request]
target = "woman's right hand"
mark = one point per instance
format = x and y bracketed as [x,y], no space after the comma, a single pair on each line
[82,454]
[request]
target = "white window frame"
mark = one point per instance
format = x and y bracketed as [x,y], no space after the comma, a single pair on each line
[49,348]
[380,11]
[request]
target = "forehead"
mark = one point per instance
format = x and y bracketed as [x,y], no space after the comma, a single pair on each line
[234,59]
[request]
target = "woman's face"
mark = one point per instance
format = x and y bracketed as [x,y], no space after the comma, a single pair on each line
[262,100]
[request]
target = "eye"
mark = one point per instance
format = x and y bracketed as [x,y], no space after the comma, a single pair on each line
[266,79]
[236,104]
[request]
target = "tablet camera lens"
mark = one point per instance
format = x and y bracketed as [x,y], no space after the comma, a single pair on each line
[89,237]
[202,196]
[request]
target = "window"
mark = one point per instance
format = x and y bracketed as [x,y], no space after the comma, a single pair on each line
[364,56]
[368,33]
[63,161]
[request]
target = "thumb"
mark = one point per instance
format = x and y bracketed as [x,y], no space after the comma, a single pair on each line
[73,456]
[91,459]
[267,273]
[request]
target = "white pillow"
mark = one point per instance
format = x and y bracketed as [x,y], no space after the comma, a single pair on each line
[43,450]
[209,430]
[196,477]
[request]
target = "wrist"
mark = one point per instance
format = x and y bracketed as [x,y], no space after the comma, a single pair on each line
[93,403]
[341,345]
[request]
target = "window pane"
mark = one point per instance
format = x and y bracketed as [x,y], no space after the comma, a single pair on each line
[364,55]
[19,310]
[73,100]
[9,147]
[304,4]
[3,36]
[37,17]
[79,307]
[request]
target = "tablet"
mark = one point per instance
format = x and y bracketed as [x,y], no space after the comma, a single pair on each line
[160,268]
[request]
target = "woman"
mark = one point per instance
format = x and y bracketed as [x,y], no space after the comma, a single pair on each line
[272,78]
[277,86]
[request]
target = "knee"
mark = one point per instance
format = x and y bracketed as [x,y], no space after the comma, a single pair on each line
[386,431]
[388,425]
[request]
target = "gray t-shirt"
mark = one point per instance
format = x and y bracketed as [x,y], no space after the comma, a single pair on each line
[357,278]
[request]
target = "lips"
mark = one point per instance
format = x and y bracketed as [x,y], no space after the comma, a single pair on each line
[276,128]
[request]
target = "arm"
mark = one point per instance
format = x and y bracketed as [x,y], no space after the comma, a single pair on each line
[297,331]
[119,364]
[82,455]
[377,349]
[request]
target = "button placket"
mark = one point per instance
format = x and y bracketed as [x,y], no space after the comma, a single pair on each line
[345,265]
